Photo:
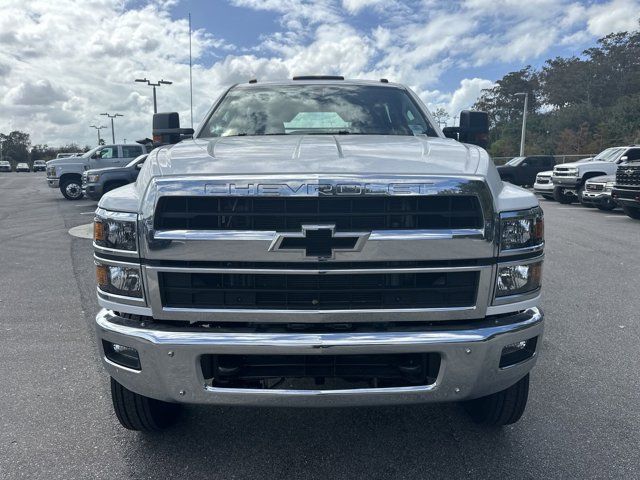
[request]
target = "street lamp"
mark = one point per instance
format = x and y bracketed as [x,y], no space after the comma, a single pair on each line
[524,119]
[154,85]
[113,133]
[98,129]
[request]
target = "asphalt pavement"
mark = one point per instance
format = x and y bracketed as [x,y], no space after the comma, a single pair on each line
[56,419]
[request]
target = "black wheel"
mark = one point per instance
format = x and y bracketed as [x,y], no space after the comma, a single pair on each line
[607,206]
[137,412]
[560,196]
[548,197]
[501,408]
[633,212]
[71,189]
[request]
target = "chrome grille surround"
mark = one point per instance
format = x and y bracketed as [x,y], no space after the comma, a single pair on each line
[171,250]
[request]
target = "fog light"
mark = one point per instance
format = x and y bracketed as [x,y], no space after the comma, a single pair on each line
[518,352]
[122,355]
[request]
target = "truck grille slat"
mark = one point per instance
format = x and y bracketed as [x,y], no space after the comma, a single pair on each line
[315,292]
[289,214]
[628,175]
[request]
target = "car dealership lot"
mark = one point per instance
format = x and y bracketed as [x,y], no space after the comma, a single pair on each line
[582,421]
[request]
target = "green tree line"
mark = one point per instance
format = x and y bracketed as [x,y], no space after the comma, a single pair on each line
[16,147]
[576,104]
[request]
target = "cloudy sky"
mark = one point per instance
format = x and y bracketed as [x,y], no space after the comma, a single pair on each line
[63,62]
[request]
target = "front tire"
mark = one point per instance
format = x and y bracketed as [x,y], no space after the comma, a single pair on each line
[71,189]
[501,408]
[606,207]
[137,412]
[633,212]
[561,197]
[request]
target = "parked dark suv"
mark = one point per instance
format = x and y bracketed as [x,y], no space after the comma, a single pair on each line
[523,170]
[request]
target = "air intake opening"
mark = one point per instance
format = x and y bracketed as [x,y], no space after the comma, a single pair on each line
[320,372]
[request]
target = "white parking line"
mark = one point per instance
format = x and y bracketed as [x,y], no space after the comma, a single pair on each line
[616,216]
[88,213]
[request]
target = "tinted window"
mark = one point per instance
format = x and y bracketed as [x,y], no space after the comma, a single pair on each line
[317,109]
[633,154]
[130,151]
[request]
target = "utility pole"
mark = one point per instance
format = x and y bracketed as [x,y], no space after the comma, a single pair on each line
[98,129]
[154,85]
[524,120]
[113,133]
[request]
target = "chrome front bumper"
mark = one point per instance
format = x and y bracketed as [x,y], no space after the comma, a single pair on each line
[53,182]
[567,182]
[170,360]
[596,197]
[543,187]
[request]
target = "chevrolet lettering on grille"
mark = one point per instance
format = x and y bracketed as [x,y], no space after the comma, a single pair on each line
[319,241]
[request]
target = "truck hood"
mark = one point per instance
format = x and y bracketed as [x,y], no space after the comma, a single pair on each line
[318,154]
[67,161]
[98,171]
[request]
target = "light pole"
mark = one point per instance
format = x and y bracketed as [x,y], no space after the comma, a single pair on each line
[524,120]
[98,129]
[154,85]
[113,133]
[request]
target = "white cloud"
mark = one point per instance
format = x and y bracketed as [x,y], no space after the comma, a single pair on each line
[614,16]
[354,6]
[40,92]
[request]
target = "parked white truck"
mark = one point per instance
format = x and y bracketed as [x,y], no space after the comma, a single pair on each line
[318,242]
[569,178]
[66,173]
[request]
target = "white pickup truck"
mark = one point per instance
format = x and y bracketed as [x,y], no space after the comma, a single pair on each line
[318,242]
[569,178]
[66,173]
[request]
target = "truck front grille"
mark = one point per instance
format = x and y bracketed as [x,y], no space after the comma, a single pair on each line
[595,187]
[347,213]
[318,292]
[628,175]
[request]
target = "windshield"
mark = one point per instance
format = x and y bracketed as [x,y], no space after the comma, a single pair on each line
[608,155]
[138,159]
[91,152]
[515,161]
[317,109]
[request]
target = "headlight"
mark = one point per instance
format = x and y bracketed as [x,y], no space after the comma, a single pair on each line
[521,229]
[609,186]
[115,230]
[93,178]
[119,280]
[518,279]
[51,171]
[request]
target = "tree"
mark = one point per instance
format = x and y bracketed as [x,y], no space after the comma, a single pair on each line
[15,146]
[441,116]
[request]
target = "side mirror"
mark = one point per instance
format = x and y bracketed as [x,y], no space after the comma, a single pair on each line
[166,129]
[525,164]
[139,165]
[474,129]
[623,158]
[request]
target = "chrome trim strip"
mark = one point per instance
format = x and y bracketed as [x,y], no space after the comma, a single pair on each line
[116,263]
[115,251]
[124,308]
[522,251]
[120,298]
[122,216]
[293,271]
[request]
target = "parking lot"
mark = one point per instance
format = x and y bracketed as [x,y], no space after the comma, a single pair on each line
[582,421]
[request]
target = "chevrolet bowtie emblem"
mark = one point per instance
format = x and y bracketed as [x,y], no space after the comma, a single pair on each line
[319,241]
